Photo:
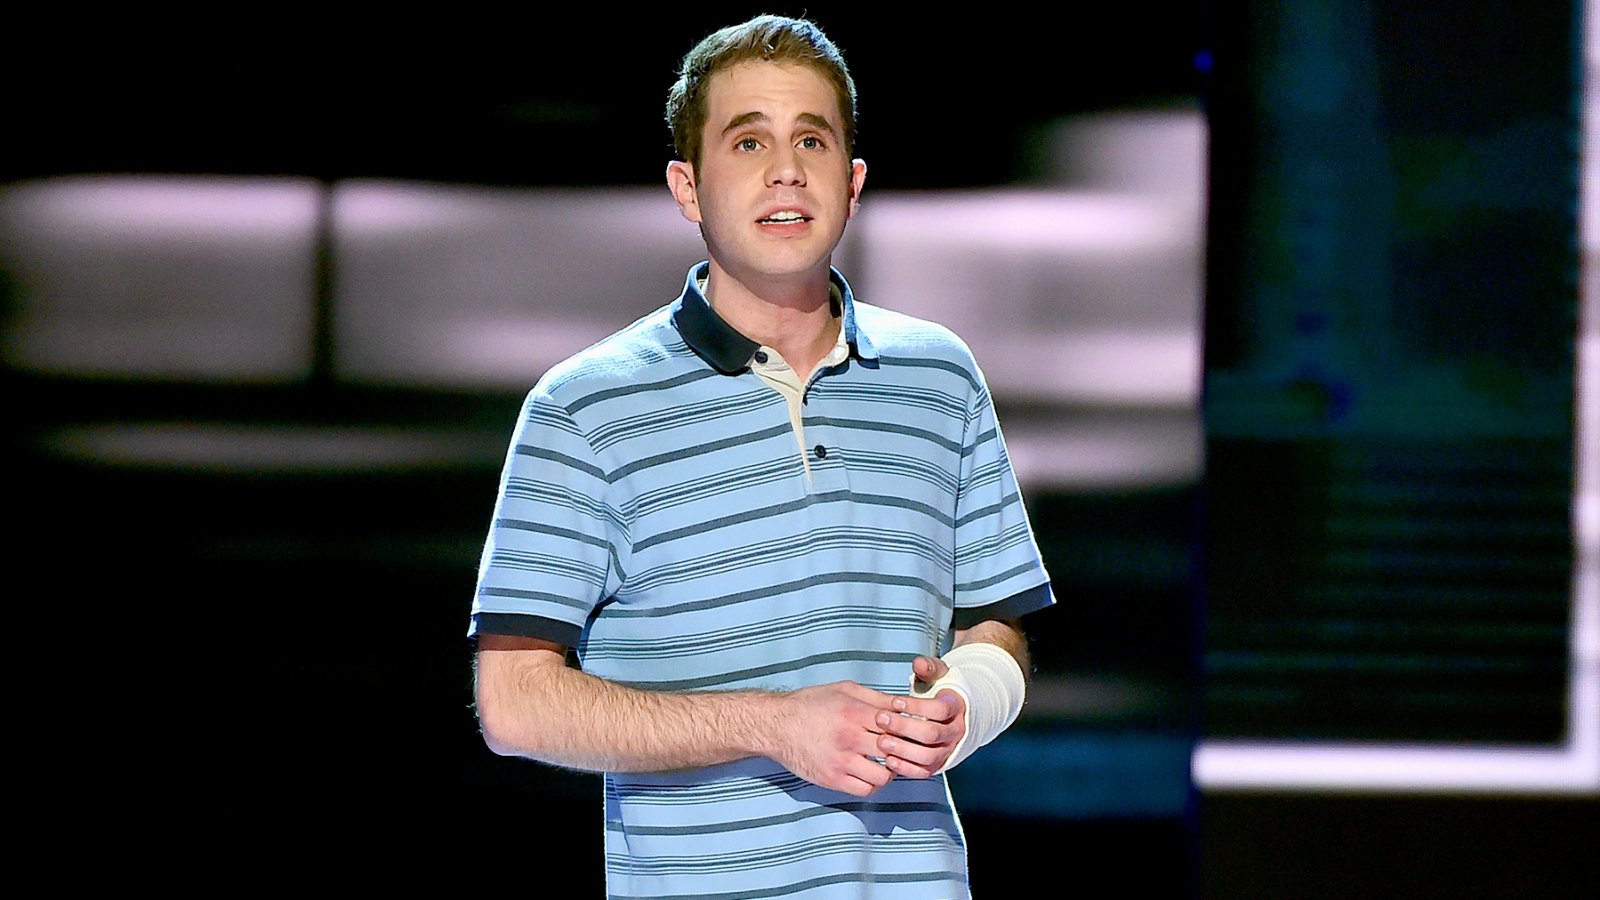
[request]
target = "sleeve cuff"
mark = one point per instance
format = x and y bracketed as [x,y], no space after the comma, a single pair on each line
[1013,607]
[564,633]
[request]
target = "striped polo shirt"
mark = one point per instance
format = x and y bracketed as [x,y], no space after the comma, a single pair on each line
[656,514]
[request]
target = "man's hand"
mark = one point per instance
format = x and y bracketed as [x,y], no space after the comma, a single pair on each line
[919,735]
[829,734]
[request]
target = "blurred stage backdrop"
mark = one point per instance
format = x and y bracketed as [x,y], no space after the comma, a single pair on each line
[1280,303]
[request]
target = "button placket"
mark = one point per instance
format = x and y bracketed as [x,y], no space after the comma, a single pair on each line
[777,375]
[828,469]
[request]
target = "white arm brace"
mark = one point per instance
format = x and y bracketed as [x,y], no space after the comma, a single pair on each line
[992,684]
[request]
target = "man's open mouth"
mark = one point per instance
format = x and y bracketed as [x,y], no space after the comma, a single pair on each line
[787,217]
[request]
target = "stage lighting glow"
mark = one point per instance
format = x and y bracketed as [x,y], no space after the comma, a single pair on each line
[487,287]
[148,277]
[274,448]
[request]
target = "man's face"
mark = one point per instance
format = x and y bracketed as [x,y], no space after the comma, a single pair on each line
[774,188]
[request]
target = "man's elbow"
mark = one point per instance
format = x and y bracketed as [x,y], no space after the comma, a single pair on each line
[498,732]
[502,747]
[505,729]
[509,673]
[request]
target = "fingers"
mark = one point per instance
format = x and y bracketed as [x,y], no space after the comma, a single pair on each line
[946,707]
[910,751]
[926,670]
[922,731]
[911,759]
[929,668]
[907,769]
[875,699]
[829,735]
[840,731]
[858,708]
[857,775]
[871,773]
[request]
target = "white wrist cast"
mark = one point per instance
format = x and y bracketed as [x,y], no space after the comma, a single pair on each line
[992,684]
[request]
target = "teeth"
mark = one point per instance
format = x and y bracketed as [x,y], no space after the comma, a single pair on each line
[787,215]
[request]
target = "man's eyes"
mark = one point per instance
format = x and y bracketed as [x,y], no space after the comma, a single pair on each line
[809,142]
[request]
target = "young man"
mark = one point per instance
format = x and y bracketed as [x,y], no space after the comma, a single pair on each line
[757,514]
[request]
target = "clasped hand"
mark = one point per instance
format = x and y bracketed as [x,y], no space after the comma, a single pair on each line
[854,739]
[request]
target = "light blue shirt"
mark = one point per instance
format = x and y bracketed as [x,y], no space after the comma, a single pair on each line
[656,514]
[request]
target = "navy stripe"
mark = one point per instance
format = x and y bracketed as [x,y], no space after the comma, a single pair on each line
[806,885]
[630,390]
[696,643]
[736,558]
[562,458]
[728,521]
[700,449]
[942,365]
[980,442]
[1013,572]
[778,589]
[990,510]
[653,793]
[818,659]
[682,492]
[540,596]
[800,815]
[569,534]
[780,509]
[885,427]
[651,425]
[937,515]
[796,852]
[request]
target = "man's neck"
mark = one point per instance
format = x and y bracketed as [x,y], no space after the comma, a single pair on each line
[793,317]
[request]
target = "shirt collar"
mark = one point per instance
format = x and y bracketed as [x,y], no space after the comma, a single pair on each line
[728,351]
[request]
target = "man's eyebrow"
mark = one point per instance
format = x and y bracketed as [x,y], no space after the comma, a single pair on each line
[812,119]
[744,119]
[818,122]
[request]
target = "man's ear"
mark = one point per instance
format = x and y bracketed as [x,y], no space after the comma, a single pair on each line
[680,180]
[858,177]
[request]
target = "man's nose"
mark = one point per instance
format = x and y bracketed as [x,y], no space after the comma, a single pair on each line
[785,168]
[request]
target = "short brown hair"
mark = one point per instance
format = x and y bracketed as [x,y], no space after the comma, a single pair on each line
[768,38]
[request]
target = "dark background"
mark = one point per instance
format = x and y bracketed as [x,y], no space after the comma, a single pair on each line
[573,99]
[279,660]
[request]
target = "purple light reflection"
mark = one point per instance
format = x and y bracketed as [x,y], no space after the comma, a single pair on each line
[163,278]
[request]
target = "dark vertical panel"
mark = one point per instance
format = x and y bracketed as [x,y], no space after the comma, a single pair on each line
[1391,317]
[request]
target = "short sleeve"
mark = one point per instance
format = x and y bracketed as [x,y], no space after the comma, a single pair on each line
[551,554]
[999,573]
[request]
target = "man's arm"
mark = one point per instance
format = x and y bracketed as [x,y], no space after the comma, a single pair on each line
[919,744]
[530,703]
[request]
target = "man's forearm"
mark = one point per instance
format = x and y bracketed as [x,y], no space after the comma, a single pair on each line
[531,704]
[1007,636]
